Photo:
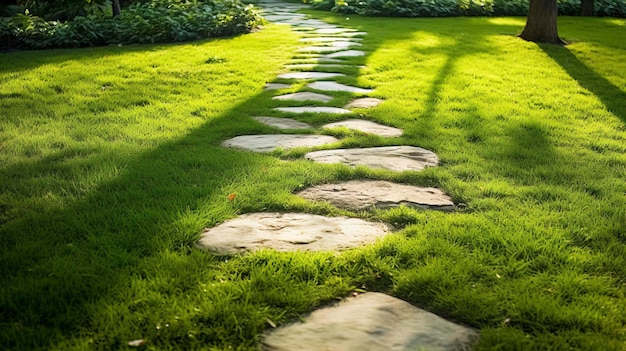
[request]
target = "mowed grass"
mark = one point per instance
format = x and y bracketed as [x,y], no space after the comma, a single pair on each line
[111,167]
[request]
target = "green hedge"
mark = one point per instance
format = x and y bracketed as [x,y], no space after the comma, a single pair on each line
[445,8]
[149,22]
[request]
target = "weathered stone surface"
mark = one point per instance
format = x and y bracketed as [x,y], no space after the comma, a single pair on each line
[366,127]
[313,109]
[276,86]
[322,49]
[347,53]
[371,321]
[334,86]
[326,39]
[317,60]
[289,232]
[309,75]
[270,142]
[304,96]
[283,123]
[361,194]
[364,103]
[394,158]
[334,30]
[345,34]
[316,65]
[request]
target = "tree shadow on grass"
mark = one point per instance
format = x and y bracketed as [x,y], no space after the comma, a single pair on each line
[611,96]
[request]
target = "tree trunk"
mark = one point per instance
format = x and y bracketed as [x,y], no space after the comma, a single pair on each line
[586,8]
[541,22]
[116,7]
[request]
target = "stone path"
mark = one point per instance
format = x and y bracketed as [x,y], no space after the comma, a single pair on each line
[371,321]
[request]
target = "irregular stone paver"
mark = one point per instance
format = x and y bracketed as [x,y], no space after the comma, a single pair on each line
[322,49]
[282,123]
[319,60]
[313,109]
[304,96]
[326,39]
[276,86]
[289,232]
[340,34]
[364,103]
[367,127]
[371,321]
[361,194]
[270,142]
[334,30]
[309,75]
[334,86]
[347,53]
[393,158]
[316,65]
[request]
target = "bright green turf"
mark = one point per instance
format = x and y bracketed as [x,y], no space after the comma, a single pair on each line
[111,166]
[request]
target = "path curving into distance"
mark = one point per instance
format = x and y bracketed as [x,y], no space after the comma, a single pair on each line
[369,321]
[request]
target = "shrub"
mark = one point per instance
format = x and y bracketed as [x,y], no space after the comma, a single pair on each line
[147,22]
[440,8]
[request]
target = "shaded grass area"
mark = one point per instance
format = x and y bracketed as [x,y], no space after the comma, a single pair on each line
[111,166]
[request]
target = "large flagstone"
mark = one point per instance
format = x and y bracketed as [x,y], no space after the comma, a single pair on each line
[334,86]
[282,123]
[309,75]
[366,127]
[270,142]
[289,232]
[313,109]
[362,194]
[371,321]
[304,96]
[393,158]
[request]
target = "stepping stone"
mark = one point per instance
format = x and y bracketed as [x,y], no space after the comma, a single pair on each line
[304,96]
[321,60]
[334,30]
[289,232]
[364,103]
[271,142]
[326,39]
[393,158]
[344,34]
[362,194]
[371,321]
[313,109]
[334,86]
[347,53]
[315,65]
[276,86]
[366,127]
[309,75]
[282,123]
[320,49]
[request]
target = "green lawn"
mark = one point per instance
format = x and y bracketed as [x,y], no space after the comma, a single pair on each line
[110,167]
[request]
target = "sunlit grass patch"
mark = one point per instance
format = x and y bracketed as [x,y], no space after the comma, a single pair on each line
[111,166]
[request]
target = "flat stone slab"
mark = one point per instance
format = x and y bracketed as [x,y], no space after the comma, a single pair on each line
[270,142]
[304,96]
[334,86]
[371,321]
[366,127]
[289,232]
[362,194]
[393,158]
[316,65]
[313,109]
[325,39]
[323,49]
[276,86]
[309,75]
[283,123]
[347,53]
[338,34]
[334,30]
[364,103]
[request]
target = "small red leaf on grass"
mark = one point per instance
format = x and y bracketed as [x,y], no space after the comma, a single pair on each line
[232,196]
